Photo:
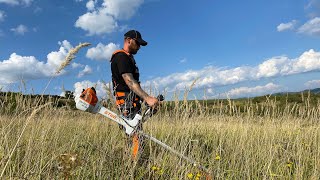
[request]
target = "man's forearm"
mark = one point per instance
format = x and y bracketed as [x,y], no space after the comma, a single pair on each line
[134,85]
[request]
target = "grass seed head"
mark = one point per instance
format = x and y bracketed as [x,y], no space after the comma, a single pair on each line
[71,55]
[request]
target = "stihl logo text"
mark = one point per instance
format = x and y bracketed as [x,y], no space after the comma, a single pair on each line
[110,114]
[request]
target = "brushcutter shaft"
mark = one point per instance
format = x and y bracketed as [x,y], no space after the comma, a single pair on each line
[193,162]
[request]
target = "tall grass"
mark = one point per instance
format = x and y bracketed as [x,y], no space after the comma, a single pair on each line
[248,141]
[233,142]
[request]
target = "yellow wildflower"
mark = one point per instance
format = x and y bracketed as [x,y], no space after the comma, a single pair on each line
[289,164]
[160,172]
[190,175]
[217,157]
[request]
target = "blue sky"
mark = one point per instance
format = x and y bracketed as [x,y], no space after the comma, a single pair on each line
[231,48]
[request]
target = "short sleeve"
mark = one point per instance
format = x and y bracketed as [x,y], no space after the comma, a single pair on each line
[124,64]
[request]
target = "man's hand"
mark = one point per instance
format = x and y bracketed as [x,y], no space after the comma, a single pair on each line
[152,101]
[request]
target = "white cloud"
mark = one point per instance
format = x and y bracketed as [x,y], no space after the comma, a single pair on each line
[99,86]
[90,5]
[10,2]
[286,26]
[2,15]
[97,23]
[22,67]
[19,67]
[101,51]
[63,94]
[121,9]
[76,65]
[55,58]
[17,2]
[103,19]
[87,70]
[269,88]
[312,27]
[21,29]
[313,84]
[210,76]
[210,90]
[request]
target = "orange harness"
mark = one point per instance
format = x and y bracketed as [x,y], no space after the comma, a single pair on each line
[121,96]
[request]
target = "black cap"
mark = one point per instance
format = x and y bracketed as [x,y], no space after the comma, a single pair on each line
[137,36]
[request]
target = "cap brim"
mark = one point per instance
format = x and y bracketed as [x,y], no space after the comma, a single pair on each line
[142,42]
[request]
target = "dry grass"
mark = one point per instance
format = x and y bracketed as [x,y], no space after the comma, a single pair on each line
[60,143]
[70,56]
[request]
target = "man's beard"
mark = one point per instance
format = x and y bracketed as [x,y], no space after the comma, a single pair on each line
[133,50]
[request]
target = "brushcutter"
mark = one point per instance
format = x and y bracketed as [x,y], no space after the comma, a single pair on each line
[88,101]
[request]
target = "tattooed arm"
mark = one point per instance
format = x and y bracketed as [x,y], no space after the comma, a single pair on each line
[136,88]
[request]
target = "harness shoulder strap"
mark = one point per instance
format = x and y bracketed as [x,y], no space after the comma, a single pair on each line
[119,51]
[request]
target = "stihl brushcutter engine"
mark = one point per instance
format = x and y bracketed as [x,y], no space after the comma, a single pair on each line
[88,102]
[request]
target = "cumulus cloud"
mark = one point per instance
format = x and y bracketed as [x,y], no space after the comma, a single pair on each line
[97,23]
[101,51]
[121,9]
[103,19]
[286,26]
[210,76]
[19,67]
[2,15]
[20,30]
[90,5]
[22,67]
[63,94]
[16,2]
[87,70]
[312,27]
[313,84]
[99,86]
[269,88]
[55,58]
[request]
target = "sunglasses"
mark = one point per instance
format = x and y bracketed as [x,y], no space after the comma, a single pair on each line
[135,41]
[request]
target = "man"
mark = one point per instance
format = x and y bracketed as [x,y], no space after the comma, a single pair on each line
[125,76]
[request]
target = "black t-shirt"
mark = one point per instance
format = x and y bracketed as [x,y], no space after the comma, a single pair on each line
[121,63]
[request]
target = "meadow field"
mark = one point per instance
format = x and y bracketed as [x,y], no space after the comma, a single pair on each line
[252,141]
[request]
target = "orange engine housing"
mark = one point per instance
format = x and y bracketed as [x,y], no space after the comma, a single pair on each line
[89,96]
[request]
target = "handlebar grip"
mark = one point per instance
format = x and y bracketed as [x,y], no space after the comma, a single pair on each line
[160,97]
